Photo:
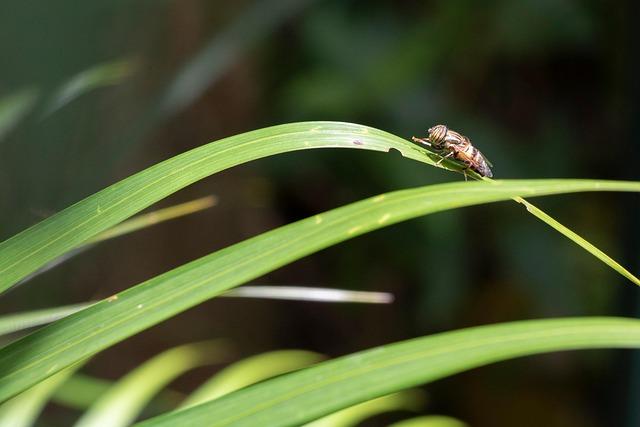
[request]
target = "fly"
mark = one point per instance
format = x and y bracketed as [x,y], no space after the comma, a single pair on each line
[459,147]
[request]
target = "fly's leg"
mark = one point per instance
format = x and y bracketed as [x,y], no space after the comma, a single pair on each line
[424,141]
[445,157]
[438,151]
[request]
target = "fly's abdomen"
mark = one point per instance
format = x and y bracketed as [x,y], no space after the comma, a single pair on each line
[482,167]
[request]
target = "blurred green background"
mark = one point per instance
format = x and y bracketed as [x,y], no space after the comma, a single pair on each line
[91,92]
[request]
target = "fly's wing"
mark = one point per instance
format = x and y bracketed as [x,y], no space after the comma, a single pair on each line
[481,153]
[485,159]
[468,141]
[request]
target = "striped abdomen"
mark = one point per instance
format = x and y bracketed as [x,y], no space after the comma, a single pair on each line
[470,155]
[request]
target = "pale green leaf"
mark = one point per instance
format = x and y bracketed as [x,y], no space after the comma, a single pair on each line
[407,400]
[249,371]
[24,409]
[123,402]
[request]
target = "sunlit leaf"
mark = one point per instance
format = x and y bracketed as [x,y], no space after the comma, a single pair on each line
[44,352]
[66,230]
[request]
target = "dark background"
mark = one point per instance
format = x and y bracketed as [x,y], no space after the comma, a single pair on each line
[545,88]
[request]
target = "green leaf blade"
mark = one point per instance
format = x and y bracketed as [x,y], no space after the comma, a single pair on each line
[48,350]
[311,393]
[34,247]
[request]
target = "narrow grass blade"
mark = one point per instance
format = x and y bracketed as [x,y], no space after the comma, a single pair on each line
[537,212]
[302,396]
[305,293]
[129,226]
[23,410]
[156,217]
[407,400]
[250,371]
[124,401]
[11,323]
[66,230]
[50,349]
[430,421]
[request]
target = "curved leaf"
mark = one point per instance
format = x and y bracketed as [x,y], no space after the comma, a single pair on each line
[23,410]
[305,395]
[64,231]
[407,400]
[48,350]
[250,371]
[122,403]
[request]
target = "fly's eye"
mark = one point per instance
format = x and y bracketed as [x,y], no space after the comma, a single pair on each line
[437,134]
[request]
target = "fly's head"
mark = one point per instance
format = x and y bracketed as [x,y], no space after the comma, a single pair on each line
[437,135]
